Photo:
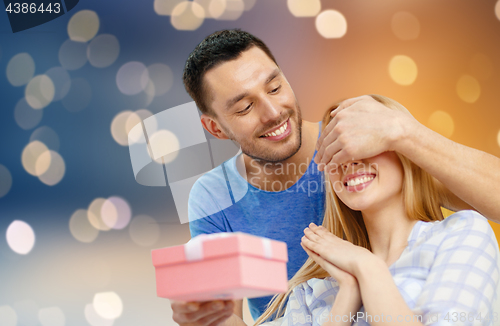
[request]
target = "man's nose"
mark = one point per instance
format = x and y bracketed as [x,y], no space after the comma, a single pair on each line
[270,110]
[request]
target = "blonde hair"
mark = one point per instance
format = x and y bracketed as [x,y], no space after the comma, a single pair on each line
[421,199]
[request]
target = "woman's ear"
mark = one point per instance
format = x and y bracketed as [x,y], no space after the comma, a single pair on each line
[212,126]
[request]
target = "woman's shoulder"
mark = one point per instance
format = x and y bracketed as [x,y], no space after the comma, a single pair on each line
[467,220]
[463,224]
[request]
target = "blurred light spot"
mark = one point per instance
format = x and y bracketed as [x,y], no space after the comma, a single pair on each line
[216,8]
[20,237]
[30,155]
[94,319]
[331,24]
[405,26]
[481,66]
[187,16]
[441,122]
[497,10]
[226,9]
[498,138]
[61,80]
[468,89]
[205,4]
[73,55]
[304,8]
[79,95]
[8,316]
[144,230]
[20,69]
[164,142]
[116,213]
[108,305]
[94,214]
[83,26]
[43,163]
[27,313]
[136,135]
[47,136]
[249,4]
[26,117]
[39,92]
[162,77]
[52,316]
[55,171]
[103,50]
[165,7]
[118,127]
[80,227]
[132,78]
[403,70]
[132,120]
[5,182]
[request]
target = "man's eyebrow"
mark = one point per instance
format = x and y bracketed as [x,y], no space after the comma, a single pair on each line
[239,97]
[235,100]
[273,75]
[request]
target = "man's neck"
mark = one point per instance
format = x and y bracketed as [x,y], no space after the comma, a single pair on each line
[282,175]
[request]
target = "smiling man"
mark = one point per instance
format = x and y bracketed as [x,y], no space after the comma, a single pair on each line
[244,96]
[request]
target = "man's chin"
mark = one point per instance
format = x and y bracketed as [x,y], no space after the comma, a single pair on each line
[274,157]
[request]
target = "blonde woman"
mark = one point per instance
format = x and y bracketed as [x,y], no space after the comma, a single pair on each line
[385,254]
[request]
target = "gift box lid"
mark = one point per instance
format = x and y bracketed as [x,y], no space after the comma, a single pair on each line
[217,245]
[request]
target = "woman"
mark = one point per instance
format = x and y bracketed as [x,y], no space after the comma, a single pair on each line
[385,254]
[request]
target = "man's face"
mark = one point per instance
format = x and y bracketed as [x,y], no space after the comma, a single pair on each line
[252,100]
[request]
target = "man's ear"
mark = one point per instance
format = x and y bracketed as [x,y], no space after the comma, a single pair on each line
[212,126]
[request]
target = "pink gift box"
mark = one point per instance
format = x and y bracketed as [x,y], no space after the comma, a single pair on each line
[221,266]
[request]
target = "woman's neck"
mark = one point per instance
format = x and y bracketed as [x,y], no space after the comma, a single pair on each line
[388,229]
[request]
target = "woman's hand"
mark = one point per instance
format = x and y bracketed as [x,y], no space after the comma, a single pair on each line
[344,279]
[338,252]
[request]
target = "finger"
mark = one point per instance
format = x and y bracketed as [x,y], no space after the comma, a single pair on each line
[215,318]
[321,231]
[326,131]
[341,157]
[329,152]
[184,307]
[220,320]
[311,235]
[347,103]
[206,309]
[328,136]
[311,253]
[311,245]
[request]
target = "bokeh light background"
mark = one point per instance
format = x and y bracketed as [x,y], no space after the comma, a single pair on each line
[77,229]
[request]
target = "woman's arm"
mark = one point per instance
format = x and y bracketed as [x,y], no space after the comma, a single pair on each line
[363,127]
[344,309]
[460,286]
[381,297]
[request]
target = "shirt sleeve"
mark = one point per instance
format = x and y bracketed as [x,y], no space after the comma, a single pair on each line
[461,284]
[309,303]
[203,211]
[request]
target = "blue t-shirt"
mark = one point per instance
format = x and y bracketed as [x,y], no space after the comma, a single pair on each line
[223,201]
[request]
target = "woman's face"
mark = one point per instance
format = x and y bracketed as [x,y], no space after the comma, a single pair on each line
[369,184]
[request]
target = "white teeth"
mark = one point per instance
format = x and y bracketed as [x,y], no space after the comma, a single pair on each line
[359,180]
[278,131]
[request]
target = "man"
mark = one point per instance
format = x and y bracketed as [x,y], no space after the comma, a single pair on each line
[244,96]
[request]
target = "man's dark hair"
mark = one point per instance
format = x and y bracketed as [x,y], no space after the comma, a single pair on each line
[216,49]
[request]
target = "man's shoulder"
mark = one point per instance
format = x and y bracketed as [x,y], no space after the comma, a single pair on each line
[214,180]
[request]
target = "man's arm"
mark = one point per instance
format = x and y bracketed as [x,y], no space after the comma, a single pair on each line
[362,128]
